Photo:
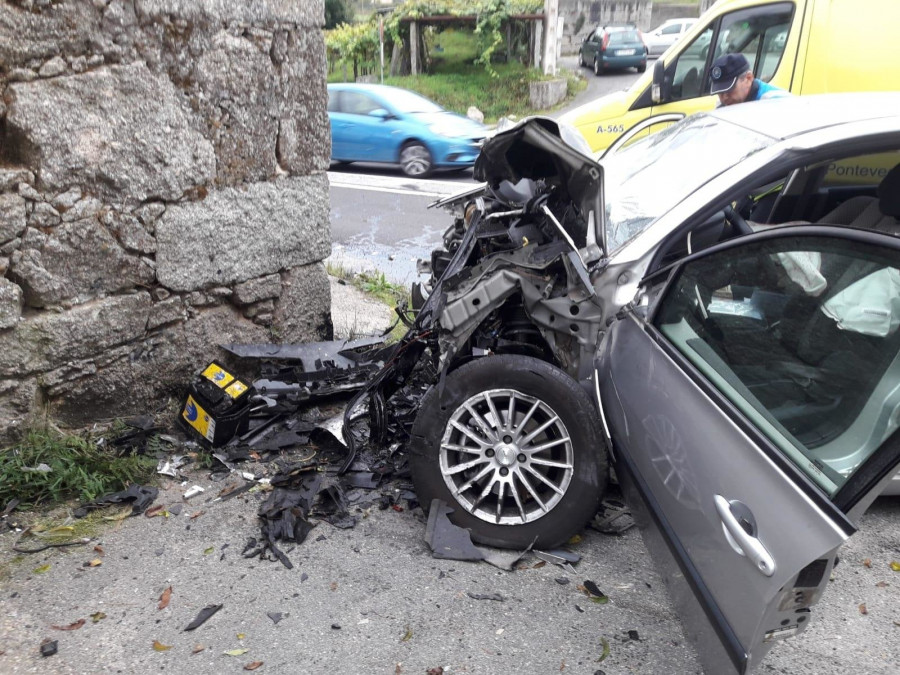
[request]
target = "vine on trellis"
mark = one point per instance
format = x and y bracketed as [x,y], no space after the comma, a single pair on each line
[359,41]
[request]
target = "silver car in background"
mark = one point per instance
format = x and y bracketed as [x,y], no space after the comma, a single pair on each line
[665,35]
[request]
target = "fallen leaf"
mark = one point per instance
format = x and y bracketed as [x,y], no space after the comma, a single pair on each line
[605,653]
[96,562]
[397,507]
[119,516]
[99,550]
[435,671]
[198,648]
[594,593]
[862,608]
[154,510]
[897,623]
[61,529]
[895,566]
[867,562]
[72,626]
[236,652]
[160,647]
[407,636]
[398,670]
[334,585]
[562,666]
[41,569]
[538,565]
[164,598]
[253,665]
[196,515]
[241,636]
[882,584]
[575,539]
[209,550]
[98,616]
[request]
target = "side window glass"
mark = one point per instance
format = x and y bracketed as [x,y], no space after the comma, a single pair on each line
[687,81]
[357,103]
[333,97]
[760,34]
[802,334]
[674,29]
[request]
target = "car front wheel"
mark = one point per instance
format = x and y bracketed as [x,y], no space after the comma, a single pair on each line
[512,445]
[415,160]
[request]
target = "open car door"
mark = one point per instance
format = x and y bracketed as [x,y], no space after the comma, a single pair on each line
[752,406]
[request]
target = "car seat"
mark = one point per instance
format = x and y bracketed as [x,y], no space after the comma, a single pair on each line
[881,214]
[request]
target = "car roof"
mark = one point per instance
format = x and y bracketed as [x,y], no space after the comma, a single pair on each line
[783,118]
[383,89]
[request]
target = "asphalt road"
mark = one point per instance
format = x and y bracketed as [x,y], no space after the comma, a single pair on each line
[379,218]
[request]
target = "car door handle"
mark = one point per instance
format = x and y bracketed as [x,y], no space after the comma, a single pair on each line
[739,526]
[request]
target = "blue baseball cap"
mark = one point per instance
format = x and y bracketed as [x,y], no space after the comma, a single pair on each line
[726,70]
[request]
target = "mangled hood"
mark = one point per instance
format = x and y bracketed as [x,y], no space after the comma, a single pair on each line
[539,148]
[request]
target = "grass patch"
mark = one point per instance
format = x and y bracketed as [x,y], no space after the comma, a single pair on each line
[373,284]
[78,469]
[456,82]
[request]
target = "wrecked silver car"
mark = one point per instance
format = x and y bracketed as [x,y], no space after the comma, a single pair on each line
[714,309]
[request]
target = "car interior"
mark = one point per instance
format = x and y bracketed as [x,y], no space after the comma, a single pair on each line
[801,332]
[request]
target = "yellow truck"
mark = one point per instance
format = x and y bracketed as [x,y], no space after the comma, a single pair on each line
[803,46]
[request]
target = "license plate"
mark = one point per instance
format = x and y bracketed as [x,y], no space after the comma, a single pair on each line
[624,52]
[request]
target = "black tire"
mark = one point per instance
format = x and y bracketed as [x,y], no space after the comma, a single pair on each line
[641,68]
[581,62]
[580,467]
[598,68]
[416,160]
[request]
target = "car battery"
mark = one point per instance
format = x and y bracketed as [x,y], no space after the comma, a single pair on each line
[217,405]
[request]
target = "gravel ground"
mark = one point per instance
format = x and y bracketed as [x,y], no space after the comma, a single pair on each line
[372,599]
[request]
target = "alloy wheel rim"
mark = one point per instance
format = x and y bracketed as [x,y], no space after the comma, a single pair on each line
[506,457]
[415,160]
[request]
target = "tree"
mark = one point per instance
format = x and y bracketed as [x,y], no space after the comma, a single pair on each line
[337,12]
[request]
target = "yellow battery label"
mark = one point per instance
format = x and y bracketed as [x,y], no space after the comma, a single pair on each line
[235,389]
[217,376]
[199,419]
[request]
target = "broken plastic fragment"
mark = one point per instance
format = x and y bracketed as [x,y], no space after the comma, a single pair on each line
[594,593]
[169,466]
[276,616]
[557,559]
[486,596]
[40,468]
[142,496]
[447,541]
[203,616]
[49,647]
[193,491]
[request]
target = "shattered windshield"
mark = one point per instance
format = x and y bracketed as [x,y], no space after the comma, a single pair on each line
[648,179]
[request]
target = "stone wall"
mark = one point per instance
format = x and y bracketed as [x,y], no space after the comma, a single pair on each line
[662,13]
[162,191]
[580,16]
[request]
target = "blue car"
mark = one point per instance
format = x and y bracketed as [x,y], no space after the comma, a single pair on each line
[377,123]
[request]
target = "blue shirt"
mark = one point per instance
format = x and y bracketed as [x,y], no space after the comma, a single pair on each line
[760,90]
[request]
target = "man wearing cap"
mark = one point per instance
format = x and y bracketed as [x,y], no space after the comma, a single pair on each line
[732,79]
